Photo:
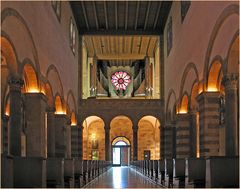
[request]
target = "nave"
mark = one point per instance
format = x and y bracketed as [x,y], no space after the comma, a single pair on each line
[122,177]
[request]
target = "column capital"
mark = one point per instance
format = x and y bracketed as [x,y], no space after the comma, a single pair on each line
[230,81]
[15,83]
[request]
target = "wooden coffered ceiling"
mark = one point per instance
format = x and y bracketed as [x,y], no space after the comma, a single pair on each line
[121,17]
[124,48]
[120,32]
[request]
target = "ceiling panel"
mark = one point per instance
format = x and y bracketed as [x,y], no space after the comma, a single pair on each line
[129,17]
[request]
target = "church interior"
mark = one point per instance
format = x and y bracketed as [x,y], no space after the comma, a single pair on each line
[120,94]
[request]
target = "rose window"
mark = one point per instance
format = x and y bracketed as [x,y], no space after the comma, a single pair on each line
[121,80]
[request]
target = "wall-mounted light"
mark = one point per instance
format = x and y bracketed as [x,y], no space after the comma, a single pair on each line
[33,90]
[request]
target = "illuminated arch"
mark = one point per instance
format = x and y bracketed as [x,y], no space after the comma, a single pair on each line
[227,12]
[149,137]
[183,108]
[8,55]
[93,130]
[30,78]
[194,94]
[71,101]
[59,105]
[10,12]
[49,95]
[73,119]
[213,75]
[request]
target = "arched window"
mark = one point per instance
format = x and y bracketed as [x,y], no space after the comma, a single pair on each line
[57,8]
[72,31]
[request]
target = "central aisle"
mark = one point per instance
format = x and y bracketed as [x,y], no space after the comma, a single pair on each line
[121,177]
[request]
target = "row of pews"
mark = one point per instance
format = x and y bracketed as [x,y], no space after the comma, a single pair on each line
[25,172]
[213,172]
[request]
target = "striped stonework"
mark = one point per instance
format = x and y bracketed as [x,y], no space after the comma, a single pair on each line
[74,141]
[209,104]
[169,140]
[182,135]
[60,135]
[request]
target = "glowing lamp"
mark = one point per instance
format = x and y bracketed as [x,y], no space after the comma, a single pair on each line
[33,90]
[212,89]
[60,112]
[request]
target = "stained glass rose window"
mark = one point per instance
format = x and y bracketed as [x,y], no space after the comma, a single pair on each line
[121,80]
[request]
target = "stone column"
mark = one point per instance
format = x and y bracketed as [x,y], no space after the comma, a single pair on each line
[169,139]
[50,132]
[68,139]
[230,82]
[36,127]
[74,140]
[209,123]
[61,135]
[107,142]
[5,134]
[193,133]
[93,76]
[135,142]
[80,139]
[15,119]
[162,141]
[182,135]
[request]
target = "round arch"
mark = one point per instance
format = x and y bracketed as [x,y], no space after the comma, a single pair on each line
[149,137]
[119,139]
[227,12]
[233,56]
[171,101]
[54,78]
[190,67]
[8,55]
[10,12]
[93,138]
[30,77]
[213,76]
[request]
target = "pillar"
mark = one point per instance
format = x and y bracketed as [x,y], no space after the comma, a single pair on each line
[182,135]
[162,141]
[50,132]
[135,143]
[107,142]
[230,82]
[80,139]
[68,139]
[93,90]
[193,133]
[169,140]
[209,104]
[15,119]
[61,135]
[36,127]
[74,140]
[5,134]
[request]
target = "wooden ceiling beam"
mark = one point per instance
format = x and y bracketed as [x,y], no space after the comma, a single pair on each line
[157,15]
[95,14]
[114,32]
[122,56]
[147,14]
[105,14]
[116,15]
[126,16]
[136,17]
[85,14]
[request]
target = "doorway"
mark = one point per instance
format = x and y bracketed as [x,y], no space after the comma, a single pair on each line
[121,151]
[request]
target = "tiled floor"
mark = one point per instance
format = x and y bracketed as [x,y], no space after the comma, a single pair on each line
[121,177]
